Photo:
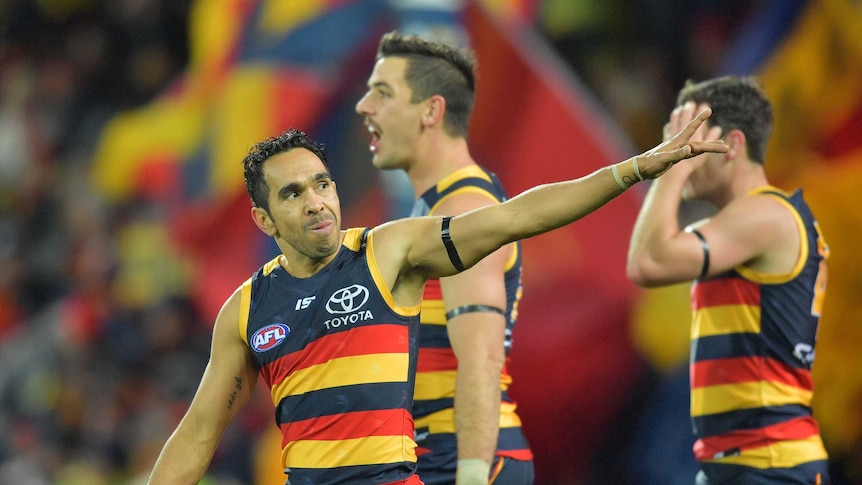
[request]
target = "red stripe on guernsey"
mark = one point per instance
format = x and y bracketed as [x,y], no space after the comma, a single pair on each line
[795,429]
[523,455]
[725,291]
[748,369]
[432,360]
[432,290]
[413,480]
[365,423]
[372,339]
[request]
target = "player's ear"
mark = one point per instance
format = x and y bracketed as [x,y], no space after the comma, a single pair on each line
[735,139]
[263,221]
[434,110]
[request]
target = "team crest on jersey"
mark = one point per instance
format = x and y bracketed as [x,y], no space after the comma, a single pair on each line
[269,337]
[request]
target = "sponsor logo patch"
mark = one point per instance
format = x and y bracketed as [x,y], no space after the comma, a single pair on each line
[347,300]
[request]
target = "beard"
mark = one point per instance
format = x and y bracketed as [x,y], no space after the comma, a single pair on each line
[310,244]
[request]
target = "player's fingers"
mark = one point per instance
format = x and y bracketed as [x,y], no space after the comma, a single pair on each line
[688,112]
[692,125]
[698,147]
[667,132]
[713,134]
[674,123]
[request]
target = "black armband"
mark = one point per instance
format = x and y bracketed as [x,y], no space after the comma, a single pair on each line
[705,246]
[473,309]
[450,246]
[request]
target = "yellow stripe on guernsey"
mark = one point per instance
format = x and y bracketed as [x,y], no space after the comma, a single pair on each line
[353,240]
[746,395]
[244,305]
[441,385]
[469,171]
[349,452]
[784,454]
[345,371]
[435,385]
[444,421]
[245,298]
[433,312]
[774,279]
[722,320]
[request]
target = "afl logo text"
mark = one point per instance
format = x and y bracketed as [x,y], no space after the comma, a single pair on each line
[269,337]
[347,300]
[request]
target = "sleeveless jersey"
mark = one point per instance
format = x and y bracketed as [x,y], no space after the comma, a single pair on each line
[435,378]
[338,356]
[752,348]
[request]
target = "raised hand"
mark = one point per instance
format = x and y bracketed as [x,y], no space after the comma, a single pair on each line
[680,144]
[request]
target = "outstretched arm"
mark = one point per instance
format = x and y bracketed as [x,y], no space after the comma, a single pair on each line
[226,386]
[410,250]
[547,207]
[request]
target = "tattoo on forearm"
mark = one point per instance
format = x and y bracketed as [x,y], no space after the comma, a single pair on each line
[237,387]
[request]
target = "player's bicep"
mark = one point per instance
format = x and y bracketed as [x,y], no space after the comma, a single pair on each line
[683,257]
[230,374]
[412,246]
[755,231]
[480,232]
[745,233]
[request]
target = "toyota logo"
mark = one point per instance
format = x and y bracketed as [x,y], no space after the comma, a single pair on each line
[347,300]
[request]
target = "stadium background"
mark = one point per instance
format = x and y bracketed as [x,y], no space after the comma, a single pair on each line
[124,221]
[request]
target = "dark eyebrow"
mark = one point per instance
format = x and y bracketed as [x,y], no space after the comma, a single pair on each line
[379,84]
[291,187]
[297,186]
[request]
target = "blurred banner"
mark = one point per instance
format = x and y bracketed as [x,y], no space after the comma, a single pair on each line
[599,366]
[815,78]
[256,69]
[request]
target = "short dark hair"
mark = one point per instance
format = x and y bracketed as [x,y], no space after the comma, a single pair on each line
[738,103]
[255,183]
[435,67]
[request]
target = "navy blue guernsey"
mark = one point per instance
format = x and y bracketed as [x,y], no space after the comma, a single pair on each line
[338,356]
[435,387]
[752,349]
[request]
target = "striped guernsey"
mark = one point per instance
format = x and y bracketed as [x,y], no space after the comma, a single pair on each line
[338,356]
[752,348]
[435,378]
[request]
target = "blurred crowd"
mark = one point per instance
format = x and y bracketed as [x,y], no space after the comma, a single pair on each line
[94,375]
[88,382]
[634,55]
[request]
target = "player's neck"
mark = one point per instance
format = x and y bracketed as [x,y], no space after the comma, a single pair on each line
[436,161]
[747,177]
[752,177]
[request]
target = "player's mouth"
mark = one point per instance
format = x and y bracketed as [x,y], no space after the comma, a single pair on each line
[322,225]
[374,146]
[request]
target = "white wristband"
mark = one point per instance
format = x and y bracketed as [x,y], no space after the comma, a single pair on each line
[617,177]
[637,169]
[472,471]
